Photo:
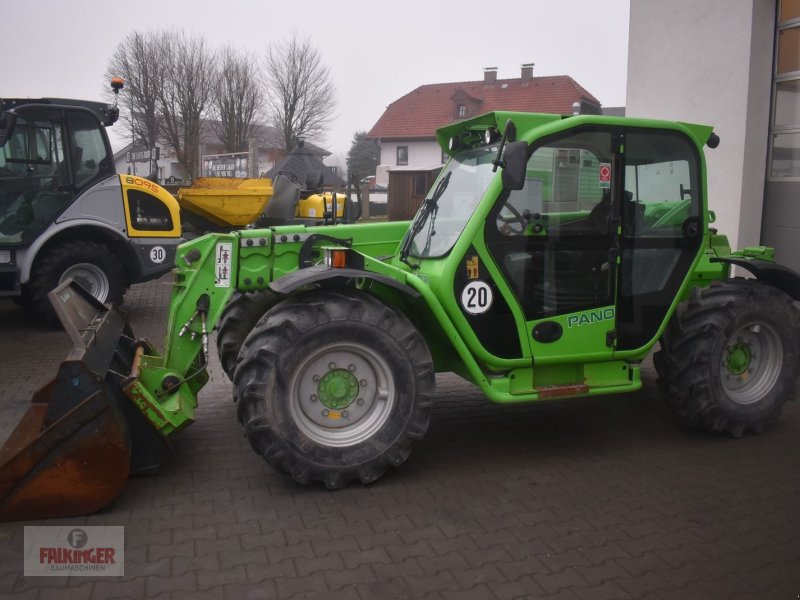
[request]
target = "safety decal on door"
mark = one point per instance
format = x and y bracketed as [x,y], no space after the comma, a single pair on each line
[605,175]
[473,267]
[477,297]
[223,272]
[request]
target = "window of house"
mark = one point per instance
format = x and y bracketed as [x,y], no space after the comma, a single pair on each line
[788,50]
[784,161]
[402,155]
[790,9]
[462,110]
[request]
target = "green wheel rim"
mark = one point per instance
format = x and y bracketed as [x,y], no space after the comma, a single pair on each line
[341,394]
[752,362]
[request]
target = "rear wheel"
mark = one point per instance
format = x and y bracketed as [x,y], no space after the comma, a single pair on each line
[92,265]
[239,317]
[731,355]
[334,386]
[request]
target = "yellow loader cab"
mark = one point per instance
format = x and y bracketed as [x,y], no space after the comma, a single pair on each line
[65,213]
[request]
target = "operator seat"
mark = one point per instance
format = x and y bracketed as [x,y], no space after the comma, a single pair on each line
[599,215]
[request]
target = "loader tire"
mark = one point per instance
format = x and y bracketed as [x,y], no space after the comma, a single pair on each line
[334,386]
[92,265]
[730,356]
[239,317]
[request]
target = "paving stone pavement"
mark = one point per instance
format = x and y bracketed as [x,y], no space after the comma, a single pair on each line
[585,499]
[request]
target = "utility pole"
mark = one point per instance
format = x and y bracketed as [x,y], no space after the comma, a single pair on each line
[252,158]
[133,145]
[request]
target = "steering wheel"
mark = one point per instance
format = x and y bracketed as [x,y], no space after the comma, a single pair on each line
[514,225]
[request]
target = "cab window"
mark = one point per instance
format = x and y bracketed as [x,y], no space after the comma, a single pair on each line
[34,178]
[87,147]
[552,238]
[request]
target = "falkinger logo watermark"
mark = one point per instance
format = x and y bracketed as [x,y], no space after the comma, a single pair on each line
[70,550]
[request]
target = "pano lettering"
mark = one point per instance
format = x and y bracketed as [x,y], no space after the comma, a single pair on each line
[587,318]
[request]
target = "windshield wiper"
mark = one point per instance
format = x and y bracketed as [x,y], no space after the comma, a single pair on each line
[422,216]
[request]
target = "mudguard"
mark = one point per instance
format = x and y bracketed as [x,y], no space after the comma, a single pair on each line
[319,273]
[775,274]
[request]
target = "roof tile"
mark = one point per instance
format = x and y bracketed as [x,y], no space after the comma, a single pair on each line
[419,113]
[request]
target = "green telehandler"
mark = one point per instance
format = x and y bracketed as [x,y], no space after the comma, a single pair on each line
[549,258]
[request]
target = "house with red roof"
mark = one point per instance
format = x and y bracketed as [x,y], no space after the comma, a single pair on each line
[407,129]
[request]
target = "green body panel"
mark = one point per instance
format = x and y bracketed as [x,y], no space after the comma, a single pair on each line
[281,247]
[197,272]
[583,361]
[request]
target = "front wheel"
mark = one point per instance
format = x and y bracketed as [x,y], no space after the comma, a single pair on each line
[731,355]
[334,386]
[91,265]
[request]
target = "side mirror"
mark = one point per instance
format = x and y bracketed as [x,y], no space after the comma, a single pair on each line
[515,164]
[7,122]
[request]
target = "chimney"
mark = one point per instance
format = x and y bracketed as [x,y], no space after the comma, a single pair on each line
[527,72]
[489,75]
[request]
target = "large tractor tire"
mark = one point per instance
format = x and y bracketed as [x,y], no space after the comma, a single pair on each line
[730,357]
[238,319]
[334,386]
[92,265]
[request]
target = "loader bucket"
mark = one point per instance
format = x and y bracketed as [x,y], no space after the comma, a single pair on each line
[71,453]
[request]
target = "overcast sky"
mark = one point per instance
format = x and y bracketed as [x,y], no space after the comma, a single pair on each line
[377,51]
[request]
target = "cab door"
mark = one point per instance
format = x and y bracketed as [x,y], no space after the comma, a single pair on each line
[662,229]
[556,242]
[34,175]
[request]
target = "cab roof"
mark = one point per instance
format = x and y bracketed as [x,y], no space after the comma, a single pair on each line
[106,113]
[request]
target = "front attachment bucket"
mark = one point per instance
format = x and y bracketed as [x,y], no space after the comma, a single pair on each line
[70,453]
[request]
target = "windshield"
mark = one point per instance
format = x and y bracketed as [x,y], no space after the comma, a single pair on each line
[460,187]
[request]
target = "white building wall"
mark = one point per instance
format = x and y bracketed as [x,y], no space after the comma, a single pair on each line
[142,169]
[710,62]
[423,154]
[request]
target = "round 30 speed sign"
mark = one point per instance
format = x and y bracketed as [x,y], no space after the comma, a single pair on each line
[157,254]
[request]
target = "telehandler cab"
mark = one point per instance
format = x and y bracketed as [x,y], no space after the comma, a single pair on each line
[548,259]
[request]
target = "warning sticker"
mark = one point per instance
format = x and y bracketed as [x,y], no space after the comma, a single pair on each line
[473,267]
[605,175]
[223,268]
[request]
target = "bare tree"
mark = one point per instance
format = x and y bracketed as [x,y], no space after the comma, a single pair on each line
[185,95]
[137,59]
[236,99]
[301,95]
